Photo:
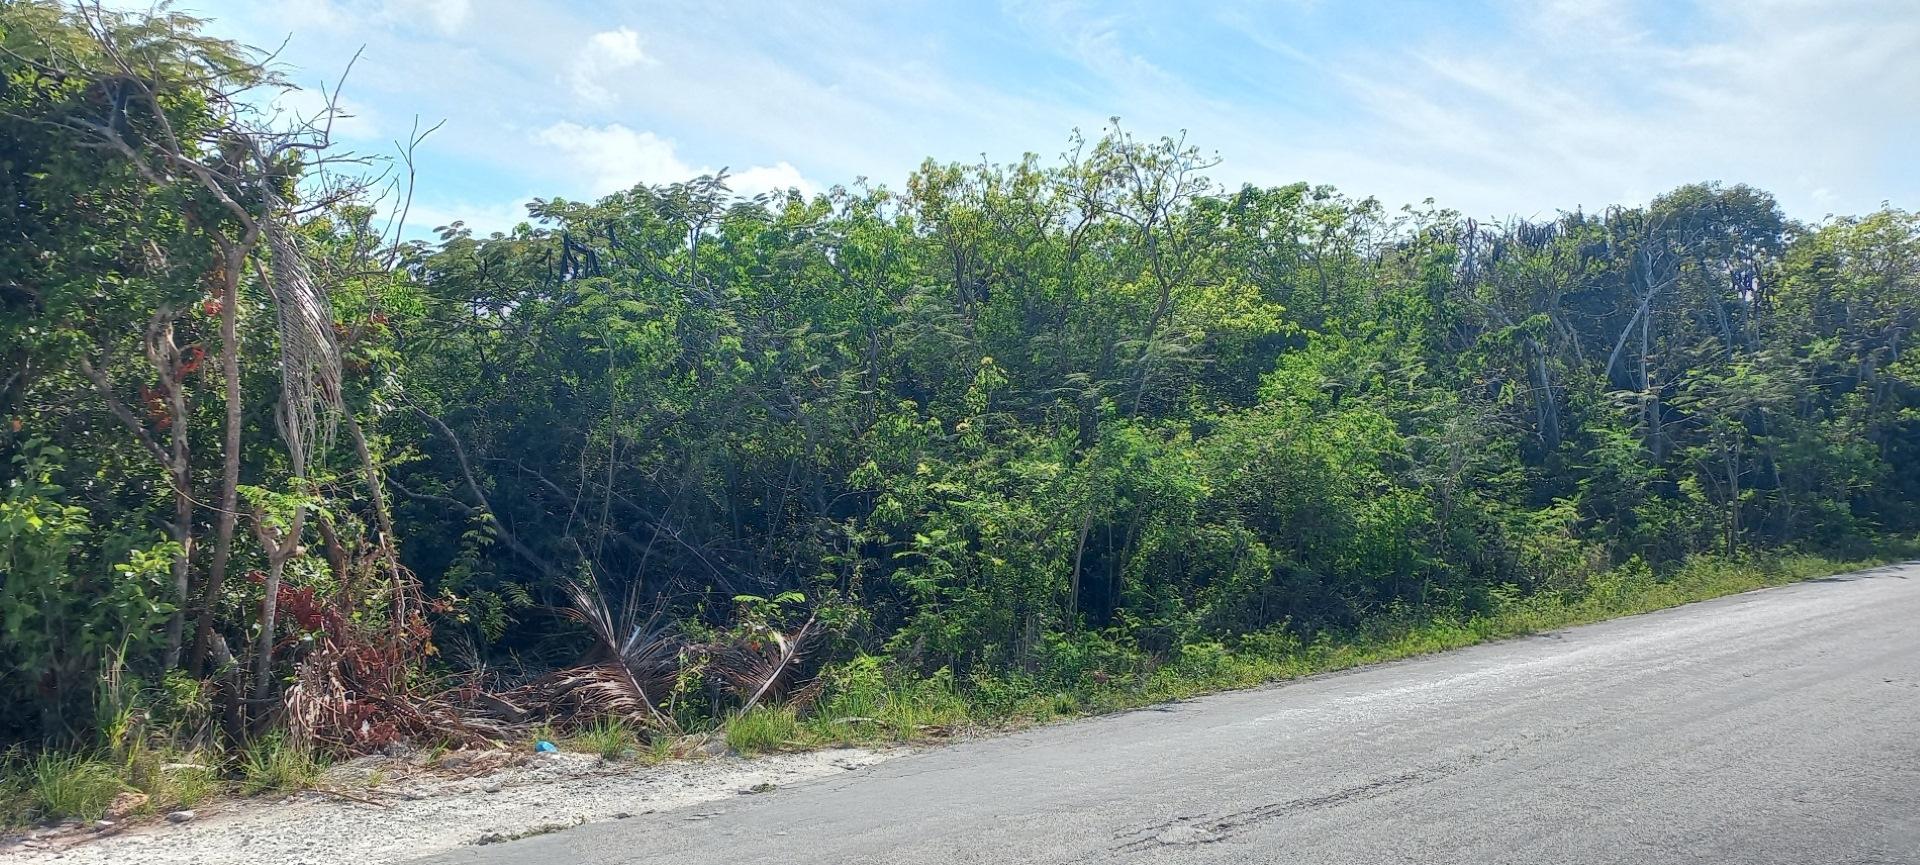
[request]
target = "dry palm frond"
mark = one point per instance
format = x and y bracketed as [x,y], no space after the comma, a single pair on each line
[338,703]
[573,695]
[641,652]
[309,350]
[355,686]
[757,668]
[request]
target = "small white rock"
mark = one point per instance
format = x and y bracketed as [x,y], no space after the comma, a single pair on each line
[181,816]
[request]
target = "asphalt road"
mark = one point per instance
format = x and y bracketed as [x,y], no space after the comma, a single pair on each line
[1780,726]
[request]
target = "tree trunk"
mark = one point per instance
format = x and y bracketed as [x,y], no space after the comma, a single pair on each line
[182,531]
[1733,499]
[164,356]
[383,519]
[279,549]
[1545,408]
[1079,554]
[227,515]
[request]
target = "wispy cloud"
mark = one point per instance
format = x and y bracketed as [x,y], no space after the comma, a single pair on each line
[1495,107]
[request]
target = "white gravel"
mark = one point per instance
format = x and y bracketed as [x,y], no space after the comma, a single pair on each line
[433,812]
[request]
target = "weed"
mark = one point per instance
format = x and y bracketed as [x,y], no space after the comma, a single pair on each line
[275,764]
[659,749]
[763,729]
[432,753]
[610,738]
[864,705]
[70,785]
[182,786]
[171,779]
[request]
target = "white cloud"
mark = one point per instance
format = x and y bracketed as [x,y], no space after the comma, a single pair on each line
[1590,102]
[778,177]
[610,158]
[606,54]
[482,218]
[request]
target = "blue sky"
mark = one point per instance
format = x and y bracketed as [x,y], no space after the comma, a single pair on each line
[1494,107]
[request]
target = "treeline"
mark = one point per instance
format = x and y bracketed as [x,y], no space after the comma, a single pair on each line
[1035,425]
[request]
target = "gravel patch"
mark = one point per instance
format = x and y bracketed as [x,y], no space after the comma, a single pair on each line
[415,816]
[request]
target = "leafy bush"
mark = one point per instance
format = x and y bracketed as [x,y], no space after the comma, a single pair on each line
[63,612]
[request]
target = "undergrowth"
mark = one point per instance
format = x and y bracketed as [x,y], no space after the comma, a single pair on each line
[869,701]
[864,703]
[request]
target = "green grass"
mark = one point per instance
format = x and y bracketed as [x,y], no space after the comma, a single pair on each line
[273,764]
[610,738]
[171,779]
[80,786]
[183,787]
[56,786]
[660,749]
[864,705]
[765,729]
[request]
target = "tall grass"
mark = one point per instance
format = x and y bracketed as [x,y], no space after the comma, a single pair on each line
[765,729]
[275,764]
[862,703]
[610,738]
[58,786]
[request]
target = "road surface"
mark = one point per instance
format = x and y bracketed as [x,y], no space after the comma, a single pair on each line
[1780,726]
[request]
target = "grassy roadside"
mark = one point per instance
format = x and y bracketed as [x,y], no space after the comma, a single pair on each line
[866,703]
[865,707]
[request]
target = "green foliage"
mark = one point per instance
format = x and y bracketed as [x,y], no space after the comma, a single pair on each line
[1012,440]
[63,612]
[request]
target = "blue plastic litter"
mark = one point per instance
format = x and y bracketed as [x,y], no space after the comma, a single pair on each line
[545,747]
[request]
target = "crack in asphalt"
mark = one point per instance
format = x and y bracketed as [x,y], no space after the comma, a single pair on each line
[1202,829]
[1207,829]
